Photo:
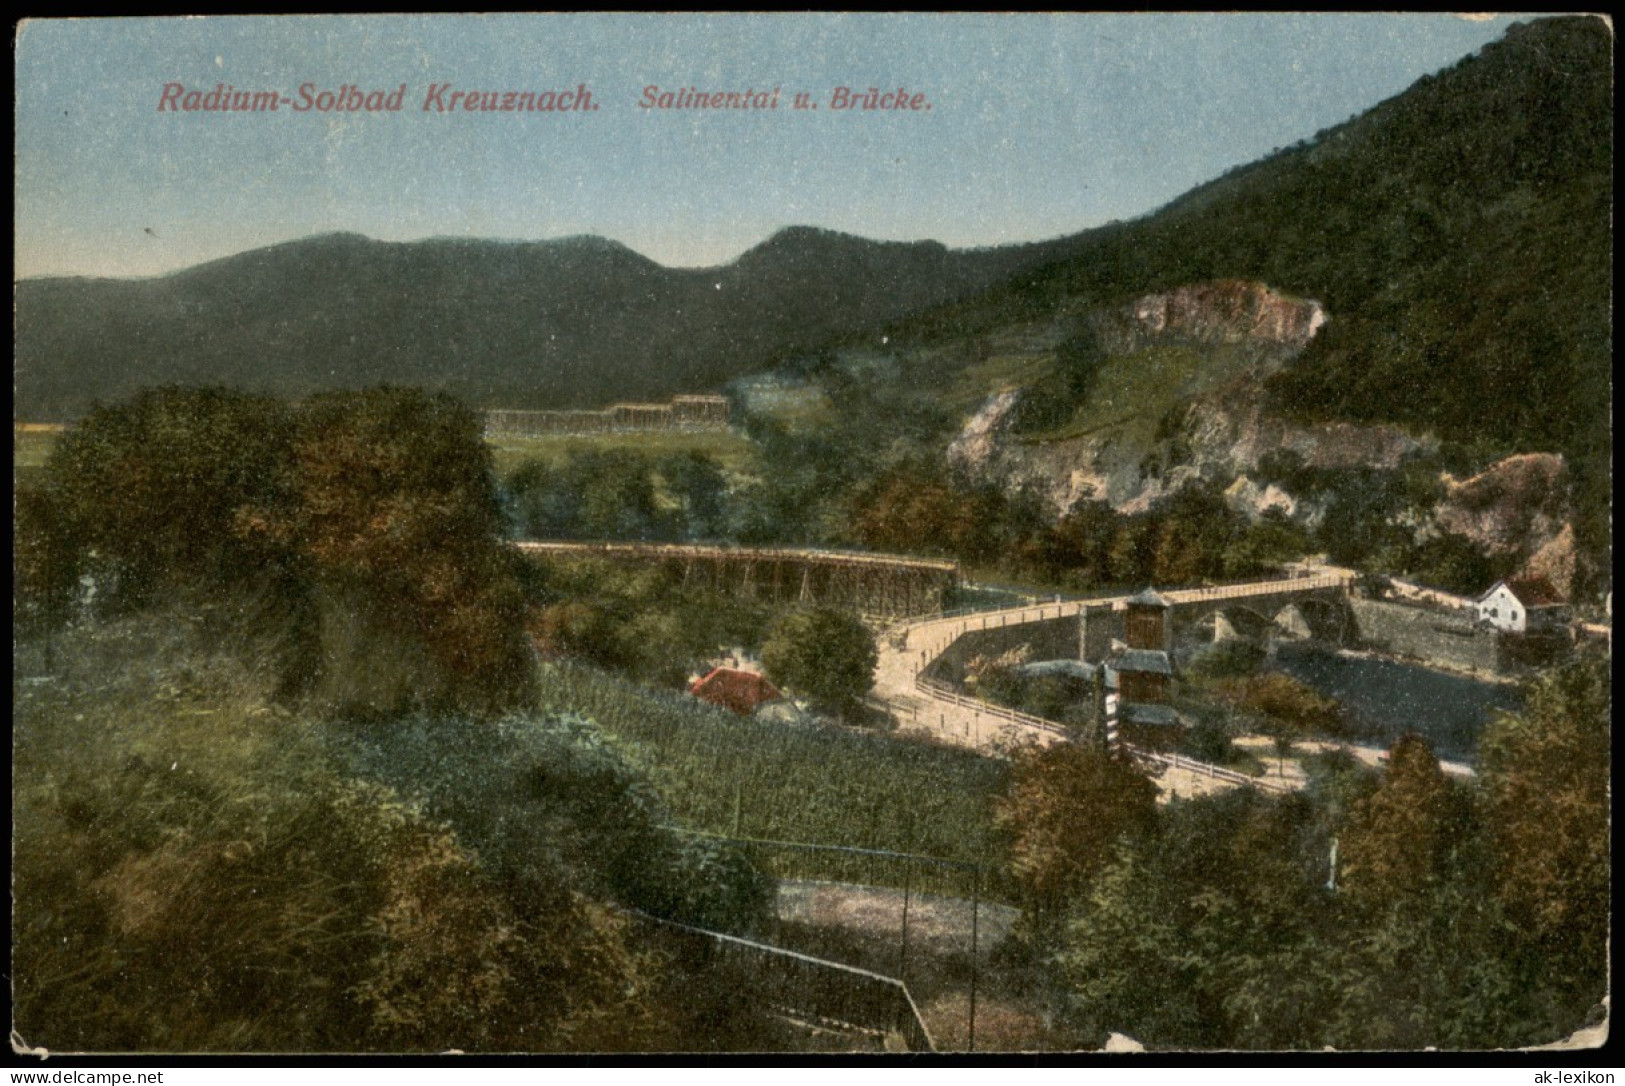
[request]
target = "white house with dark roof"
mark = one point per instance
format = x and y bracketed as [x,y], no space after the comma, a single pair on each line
[1521,606]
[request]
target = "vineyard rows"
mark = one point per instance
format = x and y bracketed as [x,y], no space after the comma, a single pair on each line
[732,775]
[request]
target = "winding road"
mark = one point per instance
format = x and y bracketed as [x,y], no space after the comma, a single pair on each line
[929,711]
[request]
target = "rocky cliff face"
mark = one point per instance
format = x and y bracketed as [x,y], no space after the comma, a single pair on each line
[1224,311]
[1518,506]
[1222,433]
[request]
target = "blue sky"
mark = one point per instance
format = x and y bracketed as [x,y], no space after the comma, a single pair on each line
[1040,125]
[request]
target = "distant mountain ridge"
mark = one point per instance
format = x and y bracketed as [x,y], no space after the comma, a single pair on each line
[572,322]
[1458,236]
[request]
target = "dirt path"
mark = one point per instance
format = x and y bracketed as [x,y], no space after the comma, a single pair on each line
[862,926]
[936,925]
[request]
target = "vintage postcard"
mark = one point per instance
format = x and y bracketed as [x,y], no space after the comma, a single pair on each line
[823,533]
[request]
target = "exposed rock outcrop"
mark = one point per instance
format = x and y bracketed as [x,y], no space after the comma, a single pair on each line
[1556,561]
[1252,500]
[977,442]
[1512,504]
[1222,434]
[1517,506]
[1224,311]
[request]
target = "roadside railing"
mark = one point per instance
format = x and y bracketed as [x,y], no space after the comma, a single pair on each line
[1217,772]
[938,690]
[1306,583]
[999,617]
[802,984]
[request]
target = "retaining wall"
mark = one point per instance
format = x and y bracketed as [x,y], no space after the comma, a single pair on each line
[1449,639]
[1048,639]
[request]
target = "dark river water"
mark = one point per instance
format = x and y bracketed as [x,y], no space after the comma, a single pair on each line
[1385,698]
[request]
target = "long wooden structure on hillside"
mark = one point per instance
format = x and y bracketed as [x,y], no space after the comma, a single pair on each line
[887,586]
[681,413]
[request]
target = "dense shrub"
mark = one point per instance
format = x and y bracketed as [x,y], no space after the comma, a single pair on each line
[195,871]
[370,518]
[1066,810]
[639,620]
[1230,659]
[823,654]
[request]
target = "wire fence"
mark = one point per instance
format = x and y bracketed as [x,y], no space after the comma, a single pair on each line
[873,867]
[802,985]
[957,883]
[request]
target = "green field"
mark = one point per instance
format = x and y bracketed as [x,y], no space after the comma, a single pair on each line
[732,450]
[31,445]
[727,774]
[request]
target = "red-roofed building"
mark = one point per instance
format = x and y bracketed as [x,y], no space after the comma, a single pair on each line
[731,688]
[1522,606]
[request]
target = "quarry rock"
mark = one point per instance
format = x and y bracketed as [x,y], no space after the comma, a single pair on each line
[1518,507]
[1221,435]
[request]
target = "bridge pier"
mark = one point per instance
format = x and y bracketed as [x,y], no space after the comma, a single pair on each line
[1320,612]
[1098,626]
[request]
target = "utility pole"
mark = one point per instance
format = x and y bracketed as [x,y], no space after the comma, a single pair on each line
[975,963]
[902,953]
[908,885]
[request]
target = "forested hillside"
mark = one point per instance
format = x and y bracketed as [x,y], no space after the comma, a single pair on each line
[1458,235]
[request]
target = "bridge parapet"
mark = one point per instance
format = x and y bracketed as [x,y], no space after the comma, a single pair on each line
[1338,581]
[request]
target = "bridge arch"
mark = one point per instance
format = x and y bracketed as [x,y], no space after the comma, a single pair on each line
[1302,619]
[1313,618]
[1233,621]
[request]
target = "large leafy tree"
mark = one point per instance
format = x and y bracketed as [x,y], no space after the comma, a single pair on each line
[1400,839]
[398,517]
[1120,964]
[1197,937]
[697,484]
[158,491]
[363,525]
[1066,809]
[824,654]
[1545,773]
[913,509]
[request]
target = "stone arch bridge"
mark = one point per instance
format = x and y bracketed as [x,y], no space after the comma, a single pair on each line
[1304,605]
[1313,608]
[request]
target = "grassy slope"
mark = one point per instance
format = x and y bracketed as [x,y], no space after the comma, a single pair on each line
[971,385]
[1132,392]
[732,450]
[31,446]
